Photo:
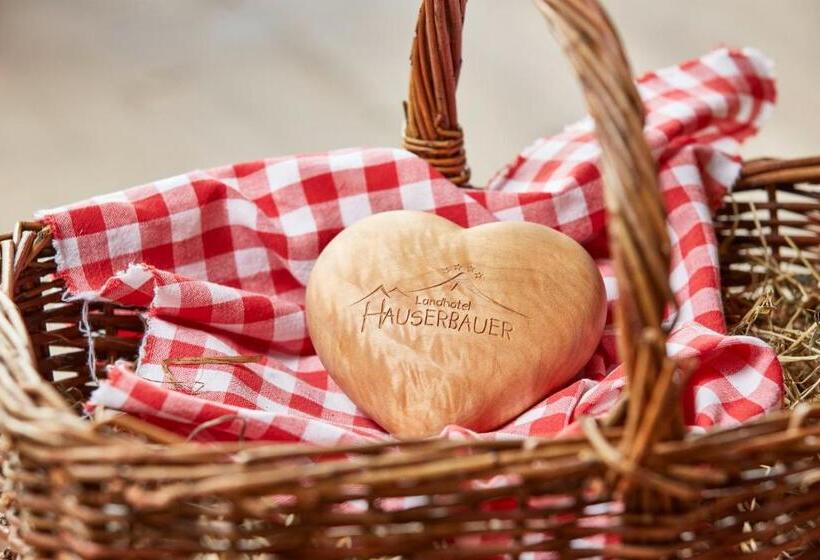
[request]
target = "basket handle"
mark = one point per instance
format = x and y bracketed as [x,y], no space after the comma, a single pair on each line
[637,222]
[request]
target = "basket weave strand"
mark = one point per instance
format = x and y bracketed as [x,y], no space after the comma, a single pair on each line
[431,121]
[112,487]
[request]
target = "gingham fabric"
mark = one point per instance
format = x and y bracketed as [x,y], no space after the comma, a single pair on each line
[219,260]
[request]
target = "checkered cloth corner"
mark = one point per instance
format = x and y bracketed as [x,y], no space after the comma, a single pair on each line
[219,260]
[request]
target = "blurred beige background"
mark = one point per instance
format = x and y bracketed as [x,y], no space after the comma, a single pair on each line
[97,95]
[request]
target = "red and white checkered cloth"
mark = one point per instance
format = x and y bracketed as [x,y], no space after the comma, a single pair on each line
[220,260]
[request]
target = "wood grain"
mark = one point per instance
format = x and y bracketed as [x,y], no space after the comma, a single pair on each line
[426,324]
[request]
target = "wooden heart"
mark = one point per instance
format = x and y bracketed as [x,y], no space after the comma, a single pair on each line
[424,323]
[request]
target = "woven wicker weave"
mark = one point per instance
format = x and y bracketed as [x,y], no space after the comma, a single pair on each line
[118,488]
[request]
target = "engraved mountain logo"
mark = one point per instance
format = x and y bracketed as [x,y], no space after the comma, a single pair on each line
[451,299]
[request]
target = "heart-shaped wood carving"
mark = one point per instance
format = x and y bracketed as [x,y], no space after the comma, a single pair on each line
[424,323]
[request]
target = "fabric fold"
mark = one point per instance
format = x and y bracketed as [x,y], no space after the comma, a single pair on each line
[218,260]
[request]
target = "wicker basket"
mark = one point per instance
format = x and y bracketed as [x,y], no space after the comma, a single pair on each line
[631,487]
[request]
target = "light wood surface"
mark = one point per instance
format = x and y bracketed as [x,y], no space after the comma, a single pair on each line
[425,324]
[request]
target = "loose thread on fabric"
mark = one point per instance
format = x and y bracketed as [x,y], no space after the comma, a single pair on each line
[85,329]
